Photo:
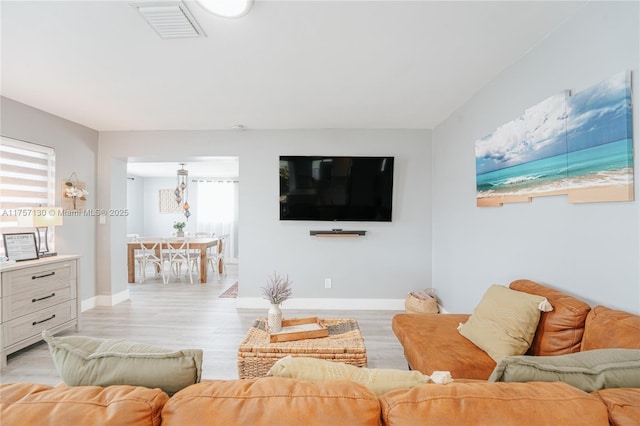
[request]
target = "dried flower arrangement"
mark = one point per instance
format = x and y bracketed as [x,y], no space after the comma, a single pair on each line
[278,289]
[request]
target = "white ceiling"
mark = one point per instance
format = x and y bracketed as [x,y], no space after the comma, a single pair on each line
[286,64]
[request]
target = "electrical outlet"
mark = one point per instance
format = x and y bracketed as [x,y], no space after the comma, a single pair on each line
[327,283]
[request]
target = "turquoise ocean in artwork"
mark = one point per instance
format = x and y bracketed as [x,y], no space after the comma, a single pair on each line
[606,164]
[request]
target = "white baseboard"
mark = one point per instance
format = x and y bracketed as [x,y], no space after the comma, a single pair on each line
[260,303]
[325,304]
[89,303]
[329,304]
[104,300]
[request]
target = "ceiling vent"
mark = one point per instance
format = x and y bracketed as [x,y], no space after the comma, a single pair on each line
[170,20]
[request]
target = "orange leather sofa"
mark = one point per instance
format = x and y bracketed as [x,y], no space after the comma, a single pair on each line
[282,401]
[469,400]
[432,343]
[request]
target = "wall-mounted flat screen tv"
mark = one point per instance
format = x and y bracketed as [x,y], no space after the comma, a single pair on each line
[336,188]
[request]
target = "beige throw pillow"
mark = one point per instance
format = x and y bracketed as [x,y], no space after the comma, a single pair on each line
[378,380]
[504,322]
[87,361]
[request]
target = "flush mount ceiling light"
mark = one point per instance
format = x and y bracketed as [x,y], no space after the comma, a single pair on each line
[170,19]
[226,8]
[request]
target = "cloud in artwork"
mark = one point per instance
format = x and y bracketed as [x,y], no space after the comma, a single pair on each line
[538,133]
[597,115]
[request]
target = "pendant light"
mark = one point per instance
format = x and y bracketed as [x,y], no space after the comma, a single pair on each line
[182,190]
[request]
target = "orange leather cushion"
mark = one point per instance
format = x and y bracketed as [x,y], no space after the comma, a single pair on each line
[433,343]
[623,405]
[559,331]
[610,328]
[482,403]
[34,404]
[273,401]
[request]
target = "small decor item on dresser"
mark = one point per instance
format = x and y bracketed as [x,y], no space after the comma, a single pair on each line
[422,302]
[179,226]
[277,290]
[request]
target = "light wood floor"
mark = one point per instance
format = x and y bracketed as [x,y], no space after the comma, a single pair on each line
[182,315]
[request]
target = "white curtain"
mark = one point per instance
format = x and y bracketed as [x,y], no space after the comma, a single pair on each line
[218,212]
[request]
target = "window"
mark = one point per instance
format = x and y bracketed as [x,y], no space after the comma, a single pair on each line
[27,179]
[217,203]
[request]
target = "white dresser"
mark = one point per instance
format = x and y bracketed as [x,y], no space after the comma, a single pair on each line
[37,295]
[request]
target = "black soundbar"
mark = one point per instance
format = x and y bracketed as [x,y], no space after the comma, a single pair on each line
[337,233]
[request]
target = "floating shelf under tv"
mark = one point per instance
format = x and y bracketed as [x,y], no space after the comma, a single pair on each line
[337,233]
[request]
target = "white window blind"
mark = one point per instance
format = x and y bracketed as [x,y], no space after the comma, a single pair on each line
[27,179]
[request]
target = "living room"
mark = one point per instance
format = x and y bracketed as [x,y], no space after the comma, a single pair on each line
[438,237]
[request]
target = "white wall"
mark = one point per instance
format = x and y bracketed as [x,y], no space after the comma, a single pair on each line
[589,250]
[392,259]
[135,204]
[76,151]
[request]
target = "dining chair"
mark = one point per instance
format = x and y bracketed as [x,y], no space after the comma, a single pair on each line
[137,254]
[205,234]
[179,254]
[195,253]
[150,253]
[215,256]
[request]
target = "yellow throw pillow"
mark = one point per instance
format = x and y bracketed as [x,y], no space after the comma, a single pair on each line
[505,321]
[378,380]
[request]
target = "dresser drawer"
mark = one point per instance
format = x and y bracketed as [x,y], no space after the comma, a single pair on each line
[36,298]
[49,276]
[29,325]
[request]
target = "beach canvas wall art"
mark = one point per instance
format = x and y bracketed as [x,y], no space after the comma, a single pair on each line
[580,146]
[600,142]
[526,157]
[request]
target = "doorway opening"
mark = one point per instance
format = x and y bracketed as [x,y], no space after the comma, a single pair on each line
[213,192]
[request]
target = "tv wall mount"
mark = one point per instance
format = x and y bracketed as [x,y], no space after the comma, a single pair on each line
[337,233]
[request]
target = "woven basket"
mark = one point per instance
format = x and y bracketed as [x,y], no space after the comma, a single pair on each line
[256,354]
[422,302]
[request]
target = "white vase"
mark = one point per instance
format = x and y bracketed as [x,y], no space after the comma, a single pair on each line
[274,318]
[180,234]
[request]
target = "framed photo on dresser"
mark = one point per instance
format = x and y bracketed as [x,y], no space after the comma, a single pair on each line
[20,246]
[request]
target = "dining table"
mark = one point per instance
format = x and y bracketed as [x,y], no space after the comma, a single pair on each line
[194,244]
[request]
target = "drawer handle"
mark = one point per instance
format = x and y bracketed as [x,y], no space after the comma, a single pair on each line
[44,320]
[35,277]
[42,298]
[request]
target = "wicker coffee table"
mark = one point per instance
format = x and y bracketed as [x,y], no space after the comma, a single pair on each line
[345,344]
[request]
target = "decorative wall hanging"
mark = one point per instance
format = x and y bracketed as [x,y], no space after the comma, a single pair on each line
[168,202]
[579,145]
[74,193]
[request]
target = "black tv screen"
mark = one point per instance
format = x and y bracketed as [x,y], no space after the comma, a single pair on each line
[336,188]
